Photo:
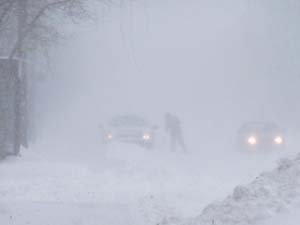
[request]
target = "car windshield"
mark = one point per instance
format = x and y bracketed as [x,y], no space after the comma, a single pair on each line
[128,121]
[259,127]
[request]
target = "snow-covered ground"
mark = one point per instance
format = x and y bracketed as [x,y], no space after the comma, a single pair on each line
[119,185]
[290,217]
[268,195]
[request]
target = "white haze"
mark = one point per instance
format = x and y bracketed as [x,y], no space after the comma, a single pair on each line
[215,64]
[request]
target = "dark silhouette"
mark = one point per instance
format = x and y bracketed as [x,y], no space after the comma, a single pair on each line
[174,130]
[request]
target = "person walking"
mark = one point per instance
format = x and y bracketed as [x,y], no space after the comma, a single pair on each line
[174,131]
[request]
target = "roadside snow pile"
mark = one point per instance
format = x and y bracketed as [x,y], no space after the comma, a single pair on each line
[269,194]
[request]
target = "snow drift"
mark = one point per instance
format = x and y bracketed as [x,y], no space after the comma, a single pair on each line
[269,194]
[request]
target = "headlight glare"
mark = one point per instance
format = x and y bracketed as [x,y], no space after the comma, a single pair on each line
[146,136]
[109,136]
[252,140]
[278,140]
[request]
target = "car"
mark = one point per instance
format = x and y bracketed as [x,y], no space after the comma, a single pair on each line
[260,136]
[130,129]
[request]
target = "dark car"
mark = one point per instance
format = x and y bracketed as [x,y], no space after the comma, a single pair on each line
[129,129]
[260,136]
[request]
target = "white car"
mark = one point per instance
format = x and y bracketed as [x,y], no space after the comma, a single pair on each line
[260,136]
[129,129]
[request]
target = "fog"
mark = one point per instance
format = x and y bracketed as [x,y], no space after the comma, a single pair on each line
[216,65]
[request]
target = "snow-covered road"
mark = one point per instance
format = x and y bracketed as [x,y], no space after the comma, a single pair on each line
[56,213]
[121,185]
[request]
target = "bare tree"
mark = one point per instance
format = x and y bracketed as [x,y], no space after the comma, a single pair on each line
[29,25]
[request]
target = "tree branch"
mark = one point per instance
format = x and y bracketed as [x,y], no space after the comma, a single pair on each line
[32,23]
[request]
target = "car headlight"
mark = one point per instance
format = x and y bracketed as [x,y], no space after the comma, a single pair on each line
[278,140]
[109,136]
[146,136]
[252,140]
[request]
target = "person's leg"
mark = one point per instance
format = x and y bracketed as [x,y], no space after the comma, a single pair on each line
[182,143]
[172,143]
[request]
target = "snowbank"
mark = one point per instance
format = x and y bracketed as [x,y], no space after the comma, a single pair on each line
[269,194]
[291,217]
